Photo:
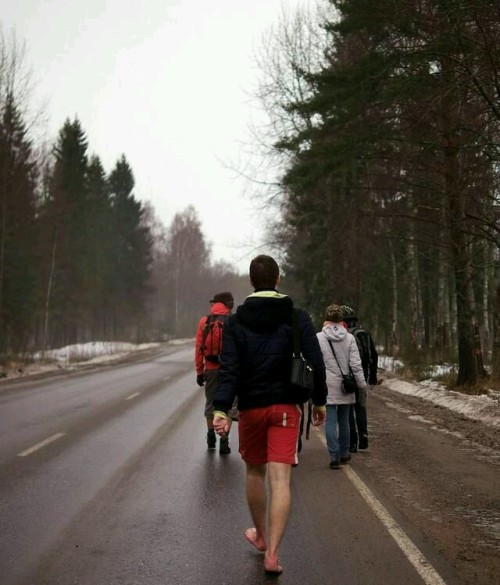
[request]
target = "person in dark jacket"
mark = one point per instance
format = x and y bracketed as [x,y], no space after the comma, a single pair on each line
[255,367]
[358,419]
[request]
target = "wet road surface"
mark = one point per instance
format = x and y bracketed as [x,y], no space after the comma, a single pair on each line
[125,492]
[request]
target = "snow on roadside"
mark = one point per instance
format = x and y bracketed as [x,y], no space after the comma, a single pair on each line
[73,356]
[485,408]
[84,352]
[81,354]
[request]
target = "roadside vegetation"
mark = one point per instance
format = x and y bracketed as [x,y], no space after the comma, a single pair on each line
[384,129]
[380,166]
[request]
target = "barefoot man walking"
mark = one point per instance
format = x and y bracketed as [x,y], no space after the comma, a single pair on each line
[255,367]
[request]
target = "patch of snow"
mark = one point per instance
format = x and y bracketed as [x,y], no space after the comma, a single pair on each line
[388,363]
[86,351]
[180,341]
[81,354]
[420,418]
[485,408]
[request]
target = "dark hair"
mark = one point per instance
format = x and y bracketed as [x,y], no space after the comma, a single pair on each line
[224,297]
[264,272]
[334,313]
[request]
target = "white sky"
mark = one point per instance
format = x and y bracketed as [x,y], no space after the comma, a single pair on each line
[167,83]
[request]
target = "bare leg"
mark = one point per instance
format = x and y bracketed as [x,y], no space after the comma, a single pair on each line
[279,510]
[257,502]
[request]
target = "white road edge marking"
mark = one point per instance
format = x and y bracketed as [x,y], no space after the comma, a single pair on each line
[412,553]
[134,395]
[41,444]
[429,575]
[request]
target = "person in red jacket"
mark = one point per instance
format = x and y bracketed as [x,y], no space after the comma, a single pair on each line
[207,351]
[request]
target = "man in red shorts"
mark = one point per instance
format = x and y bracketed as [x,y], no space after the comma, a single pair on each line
[255,367]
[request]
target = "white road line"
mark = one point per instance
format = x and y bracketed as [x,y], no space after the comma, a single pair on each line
[423,567]
[134,395]
[40,444]
[412,553]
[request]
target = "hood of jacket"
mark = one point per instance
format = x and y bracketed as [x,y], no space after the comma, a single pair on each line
[220,309]
[265,310]
[334,331]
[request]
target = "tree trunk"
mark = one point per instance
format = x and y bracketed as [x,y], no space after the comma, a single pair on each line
[442,307]
[478,351]
[467,366]
[394,329]
[487,301]
[416,329]
[3,237]
[48,293]
[495,358]
[455,195]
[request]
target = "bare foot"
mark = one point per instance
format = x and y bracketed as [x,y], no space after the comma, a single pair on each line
[272,565]
[258,543]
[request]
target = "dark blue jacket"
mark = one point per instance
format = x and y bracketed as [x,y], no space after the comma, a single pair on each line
[257,354]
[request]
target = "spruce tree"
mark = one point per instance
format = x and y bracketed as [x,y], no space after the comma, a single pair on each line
[65,225]
[99,235]
[398,151]
[18,230]
[131,245]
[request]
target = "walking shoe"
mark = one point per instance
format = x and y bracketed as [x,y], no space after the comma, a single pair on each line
[363,442]
[334,464]
[211,440]
[345,459]
[224,448]
[353,449]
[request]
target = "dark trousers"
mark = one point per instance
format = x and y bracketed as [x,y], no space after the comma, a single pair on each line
[357,419]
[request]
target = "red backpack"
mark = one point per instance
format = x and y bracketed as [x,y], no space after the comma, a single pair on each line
[211,340]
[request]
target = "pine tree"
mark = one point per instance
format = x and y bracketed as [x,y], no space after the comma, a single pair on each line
[397,151]
[17,230]
[65,227]
[99,236]
[131,245]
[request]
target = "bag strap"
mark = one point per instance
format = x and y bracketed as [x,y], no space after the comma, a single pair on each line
[296,333]
[206,329]
[296,353]
[334,354]
[309,418]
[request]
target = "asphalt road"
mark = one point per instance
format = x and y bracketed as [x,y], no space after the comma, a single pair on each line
[105,479]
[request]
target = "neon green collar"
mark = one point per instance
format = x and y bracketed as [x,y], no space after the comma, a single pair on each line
[270,294]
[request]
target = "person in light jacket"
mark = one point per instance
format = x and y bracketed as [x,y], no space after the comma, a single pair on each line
[341,355]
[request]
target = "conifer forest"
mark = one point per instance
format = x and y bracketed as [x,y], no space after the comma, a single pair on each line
[386,118]
[384,130]
[81,257]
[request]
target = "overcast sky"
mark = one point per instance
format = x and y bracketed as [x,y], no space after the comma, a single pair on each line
[167,83]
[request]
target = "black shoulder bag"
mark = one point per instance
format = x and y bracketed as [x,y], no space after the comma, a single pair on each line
[302,377]
[348,381]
